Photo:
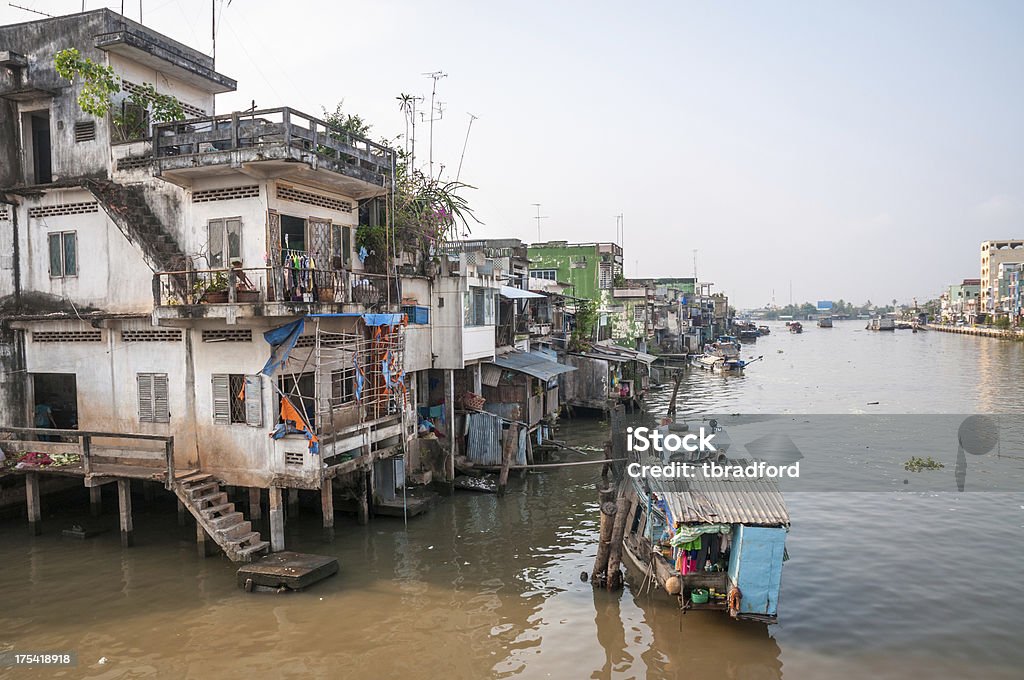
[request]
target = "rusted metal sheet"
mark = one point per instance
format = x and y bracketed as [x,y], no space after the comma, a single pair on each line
[485,439]
[588,385]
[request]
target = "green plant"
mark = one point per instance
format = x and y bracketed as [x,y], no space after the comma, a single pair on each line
[374,240]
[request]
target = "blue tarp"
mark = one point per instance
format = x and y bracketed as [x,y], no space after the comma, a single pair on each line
[383,319]
[282,340]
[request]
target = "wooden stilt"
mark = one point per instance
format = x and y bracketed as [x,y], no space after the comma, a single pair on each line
[181,514]
[124,501]
[510,446]
[362,503]
[95,500]
[255,505]
[276,520]
[327,506]
[35,517]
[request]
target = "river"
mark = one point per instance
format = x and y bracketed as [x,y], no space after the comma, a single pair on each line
[889,582]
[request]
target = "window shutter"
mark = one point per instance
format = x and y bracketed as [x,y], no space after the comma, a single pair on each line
[56,256]
[145,397]
[161,408]
[253,401]
[216,244]
[221,399]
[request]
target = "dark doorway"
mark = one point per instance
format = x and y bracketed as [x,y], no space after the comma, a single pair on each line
[42,168]
[56,397]
[293,233]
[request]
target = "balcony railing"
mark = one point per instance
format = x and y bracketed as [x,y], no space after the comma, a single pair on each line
[270,134]
[256,285]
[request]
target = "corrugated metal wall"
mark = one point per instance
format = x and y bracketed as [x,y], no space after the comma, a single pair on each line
[485,436]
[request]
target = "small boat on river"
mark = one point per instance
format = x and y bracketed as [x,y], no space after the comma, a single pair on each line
[825,322]
[795,327]
[722,355]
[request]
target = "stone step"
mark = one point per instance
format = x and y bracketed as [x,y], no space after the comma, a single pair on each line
[195,492]
[241,541]
[252,550]
[238,530]
[218,510]
[204,502]
[225,521]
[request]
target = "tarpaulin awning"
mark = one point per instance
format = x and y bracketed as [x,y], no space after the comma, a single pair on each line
[281,339]
[511,293]
[532,363]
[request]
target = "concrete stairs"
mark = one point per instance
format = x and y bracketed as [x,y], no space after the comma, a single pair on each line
[128,208]
[206,500]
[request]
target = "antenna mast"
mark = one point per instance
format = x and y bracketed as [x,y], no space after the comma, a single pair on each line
[436,76]
[539,217]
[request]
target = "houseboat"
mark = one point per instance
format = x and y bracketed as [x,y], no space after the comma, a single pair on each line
[881,323]
[711,543]
[764,330]
[825,322]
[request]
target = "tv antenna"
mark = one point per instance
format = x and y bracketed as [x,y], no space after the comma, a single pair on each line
[437,108]
[620,230]
[539,217]
[469,127]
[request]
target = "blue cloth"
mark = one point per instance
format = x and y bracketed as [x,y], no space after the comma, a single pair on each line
[363,254]
[383,319]
[282,339]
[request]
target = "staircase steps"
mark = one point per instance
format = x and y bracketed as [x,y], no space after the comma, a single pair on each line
[206,499]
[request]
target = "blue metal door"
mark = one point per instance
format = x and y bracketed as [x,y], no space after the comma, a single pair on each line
[755,566]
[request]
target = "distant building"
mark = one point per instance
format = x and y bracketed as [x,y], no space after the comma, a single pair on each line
[588,268]
[994,253]
[960,301]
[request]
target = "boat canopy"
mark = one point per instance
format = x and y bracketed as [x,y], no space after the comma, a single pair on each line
[704,500]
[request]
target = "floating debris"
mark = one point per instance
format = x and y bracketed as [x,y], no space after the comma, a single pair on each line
[916,464]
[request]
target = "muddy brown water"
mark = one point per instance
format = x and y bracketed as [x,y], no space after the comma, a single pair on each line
[897,584]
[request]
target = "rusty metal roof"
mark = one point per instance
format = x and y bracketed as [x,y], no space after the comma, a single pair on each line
[703,500]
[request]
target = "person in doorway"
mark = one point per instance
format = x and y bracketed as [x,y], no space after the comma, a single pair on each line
[44,418]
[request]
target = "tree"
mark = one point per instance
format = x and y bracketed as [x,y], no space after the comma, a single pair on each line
[100,84]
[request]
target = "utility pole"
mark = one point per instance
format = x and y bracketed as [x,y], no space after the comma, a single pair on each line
[436,76]
[694,265]
[619,230]
[465,144]
[539,217]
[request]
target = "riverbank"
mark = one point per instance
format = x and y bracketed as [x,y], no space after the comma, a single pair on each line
[1007,334]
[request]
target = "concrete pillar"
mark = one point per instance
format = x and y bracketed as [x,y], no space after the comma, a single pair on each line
[204,544]
[293,504]
[124,502]
[255,505]
[362,503]
[35,517]
[478,378]
[95,500]
[276,520]
[327,506]
[449,407]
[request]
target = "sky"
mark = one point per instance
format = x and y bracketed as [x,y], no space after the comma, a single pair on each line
[856,150]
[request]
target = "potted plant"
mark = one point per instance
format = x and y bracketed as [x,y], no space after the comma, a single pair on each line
[214,290]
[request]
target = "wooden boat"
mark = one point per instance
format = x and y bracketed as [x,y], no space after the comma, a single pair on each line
[764,330]
[825,322]
[722,355]
[742,549]
[749,334]
[795,327]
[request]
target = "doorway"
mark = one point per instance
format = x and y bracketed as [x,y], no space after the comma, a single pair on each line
[55,400]
[38,147]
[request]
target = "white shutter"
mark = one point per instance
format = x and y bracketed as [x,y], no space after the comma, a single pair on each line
[161,408]
[145,381]
[253,401]
[221,399]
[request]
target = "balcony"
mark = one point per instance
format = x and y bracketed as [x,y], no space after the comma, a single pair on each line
[272,144]
[269,292]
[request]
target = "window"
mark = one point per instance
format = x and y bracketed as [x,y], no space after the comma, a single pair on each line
[225,242]
[605,277]
[237,398]
[638,313]
[153,407]
[63,254]
[478,307]
[343,388]
[547,274]
[341,246]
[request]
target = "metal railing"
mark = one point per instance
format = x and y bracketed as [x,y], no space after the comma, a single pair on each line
[83,440]
[266,128]
[254,285]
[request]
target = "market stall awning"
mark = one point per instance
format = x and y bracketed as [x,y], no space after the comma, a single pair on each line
[532,363]
[511,293]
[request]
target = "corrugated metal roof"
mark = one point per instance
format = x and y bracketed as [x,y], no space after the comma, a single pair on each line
[730,501]
[532,363]
[618,353]
[518,293]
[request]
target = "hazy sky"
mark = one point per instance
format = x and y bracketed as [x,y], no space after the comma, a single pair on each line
[859,150]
